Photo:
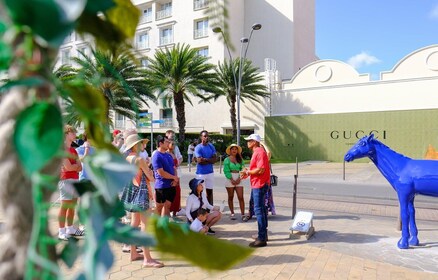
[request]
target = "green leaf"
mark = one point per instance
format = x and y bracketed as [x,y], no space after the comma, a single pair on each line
[109,172]
[173,238]
[97,257]
[27,82]
[88,100]
[38,135]
[5,56]
[95,6]
[129,235]
[124,16]
[3,27]
[70,252]
[46,18]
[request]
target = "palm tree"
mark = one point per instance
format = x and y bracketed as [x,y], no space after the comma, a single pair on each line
[175,73]
[117,76]
[251,85]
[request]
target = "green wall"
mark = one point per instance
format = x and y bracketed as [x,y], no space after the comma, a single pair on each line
[329,136]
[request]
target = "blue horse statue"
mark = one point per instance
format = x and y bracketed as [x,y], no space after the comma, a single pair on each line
[407,176]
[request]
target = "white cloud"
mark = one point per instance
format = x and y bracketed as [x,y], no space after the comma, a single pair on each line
[434,12]
[362,59]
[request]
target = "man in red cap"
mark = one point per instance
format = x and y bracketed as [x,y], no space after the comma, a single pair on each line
[117,138]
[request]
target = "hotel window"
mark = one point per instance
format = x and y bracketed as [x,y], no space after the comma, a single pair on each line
[165,11]
[200,4]
[166,36]
[146,16]
[120,121]
[83,51]
[65,57]
[203,51]
[142,40]
[201,28]
[144,62]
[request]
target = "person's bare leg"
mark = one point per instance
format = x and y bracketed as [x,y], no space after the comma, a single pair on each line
[213,218]
[62,214]
[239,192]
[70,215]
[135,222]
[209,193]
[159,208]
[230,192]
[148,260]
[166,209]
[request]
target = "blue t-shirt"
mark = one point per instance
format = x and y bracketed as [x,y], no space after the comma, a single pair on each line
[165,161]
[205,151]
[81,151]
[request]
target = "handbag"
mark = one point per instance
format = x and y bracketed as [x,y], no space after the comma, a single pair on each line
[274,178]
[135,198]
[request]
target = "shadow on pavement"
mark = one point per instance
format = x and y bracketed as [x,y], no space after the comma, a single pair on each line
[336,217]
[271,260]
[340,237]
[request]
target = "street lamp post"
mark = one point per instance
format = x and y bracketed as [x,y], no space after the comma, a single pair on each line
[244,40]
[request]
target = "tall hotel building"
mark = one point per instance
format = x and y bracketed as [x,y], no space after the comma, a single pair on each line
[284,44]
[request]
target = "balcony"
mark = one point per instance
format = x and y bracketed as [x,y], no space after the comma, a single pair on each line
[200,4]
[119,124]
[166,40]
[145,18]
[142,45]
[200,33]
[164,14]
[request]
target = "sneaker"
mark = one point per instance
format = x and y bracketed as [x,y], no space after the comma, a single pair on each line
[258,243]
[75,231]
[210,231]
[63,236]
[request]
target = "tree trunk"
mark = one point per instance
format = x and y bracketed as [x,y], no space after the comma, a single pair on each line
[233,117]
[178,99]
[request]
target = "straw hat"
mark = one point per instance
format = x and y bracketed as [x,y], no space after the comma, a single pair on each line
[239,149]
[131,141]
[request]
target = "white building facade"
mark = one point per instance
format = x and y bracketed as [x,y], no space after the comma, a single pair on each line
[287,37]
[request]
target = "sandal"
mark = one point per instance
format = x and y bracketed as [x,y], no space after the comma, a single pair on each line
[153,264]
[232,217]
[245,218]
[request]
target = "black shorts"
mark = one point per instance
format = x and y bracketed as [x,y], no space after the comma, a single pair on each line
[161,195]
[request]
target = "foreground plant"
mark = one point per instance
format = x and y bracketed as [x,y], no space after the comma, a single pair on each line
[31,146]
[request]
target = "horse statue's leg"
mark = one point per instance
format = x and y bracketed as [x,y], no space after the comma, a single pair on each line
[413,239]
[404,215]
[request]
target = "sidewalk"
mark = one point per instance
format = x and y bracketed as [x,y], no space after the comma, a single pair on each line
[343,247]
[352,240]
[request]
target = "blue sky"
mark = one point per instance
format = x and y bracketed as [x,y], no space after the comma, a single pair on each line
[373,35]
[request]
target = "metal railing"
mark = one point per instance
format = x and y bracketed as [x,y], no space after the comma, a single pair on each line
[119,123]
[199,33]
[142,45]
[164,13]
[166,40]
[200,4]
[146,18]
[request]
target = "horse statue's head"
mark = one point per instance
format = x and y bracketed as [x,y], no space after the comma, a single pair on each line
[362,148]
